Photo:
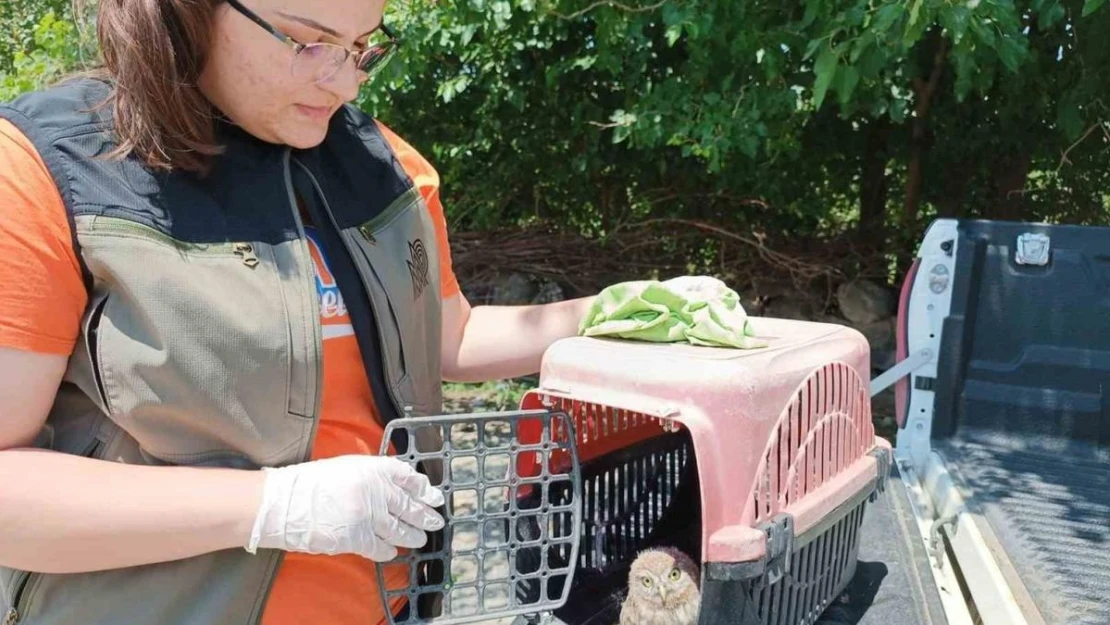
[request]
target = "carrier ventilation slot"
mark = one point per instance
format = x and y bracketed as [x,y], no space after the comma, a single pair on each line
[823,430]
[627,496]
[818,570]
[601,429]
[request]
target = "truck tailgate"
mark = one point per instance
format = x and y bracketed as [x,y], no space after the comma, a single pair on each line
[1017,400]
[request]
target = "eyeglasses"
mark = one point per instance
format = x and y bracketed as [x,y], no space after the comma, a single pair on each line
[319,62]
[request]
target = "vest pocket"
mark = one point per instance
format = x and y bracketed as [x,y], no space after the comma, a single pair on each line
[389,325]
[397,256]
[194,352]
[92,331]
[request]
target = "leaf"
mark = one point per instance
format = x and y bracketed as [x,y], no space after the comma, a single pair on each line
[1068,118]
[863,43]
[847,81]
[1090,6]
[872,63]
[811,48]
[956,19]
[898,111]
[887,17]
[1011,53]
[915,13]
[674,33]
[811,13]
[824,70]
[1050,17]
[965,74]
[585,62]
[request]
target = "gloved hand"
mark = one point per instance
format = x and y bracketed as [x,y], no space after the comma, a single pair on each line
[367,505]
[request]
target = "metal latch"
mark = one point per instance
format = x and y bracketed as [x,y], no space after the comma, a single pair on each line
[780,546]
[882,456]
[1032,249]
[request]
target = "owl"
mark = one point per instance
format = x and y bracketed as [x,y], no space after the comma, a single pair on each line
[662,589]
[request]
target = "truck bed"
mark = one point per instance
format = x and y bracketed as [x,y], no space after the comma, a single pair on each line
[1017,402]
[1046,503]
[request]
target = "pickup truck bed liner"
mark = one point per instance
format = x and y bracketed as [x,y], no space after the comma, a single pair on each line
[1048,507]
[1018,315]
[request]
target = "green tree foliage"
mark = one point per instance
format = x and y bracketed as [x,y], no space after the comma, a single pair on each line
[797,118]
[39,43]
[800,118]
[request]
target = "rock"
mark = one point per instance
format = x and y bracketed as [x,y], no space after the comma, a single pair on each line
[880,337]
[787,307]
[863,301]
[769,289]
[752,304]
[879,334]
[882,360]
[513,289]
[549,292]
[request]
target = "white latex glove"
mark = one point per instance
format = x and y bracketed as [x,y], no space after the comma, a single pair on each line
[366,505]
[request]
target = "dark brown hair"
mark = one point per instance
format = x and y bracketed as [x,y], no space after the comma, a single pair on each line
[153,52]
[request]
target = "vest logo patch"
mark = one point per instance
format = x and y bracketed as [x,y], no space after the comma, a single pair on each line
[418,267]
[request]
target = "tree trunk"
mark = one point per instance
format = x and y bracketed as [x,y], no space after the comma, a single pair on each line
[924,92]
[873,184]
[874,193]
[1009,183]
[953,200]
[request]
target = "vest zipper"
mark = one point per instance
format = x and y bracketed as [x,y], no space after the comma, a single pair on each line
[309,286]
[402,410]
[242,249]
[271,575]
[246,252]
[13,614]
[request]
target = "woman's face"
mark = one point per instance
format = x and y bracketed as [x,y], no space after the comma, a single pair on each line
[249,74]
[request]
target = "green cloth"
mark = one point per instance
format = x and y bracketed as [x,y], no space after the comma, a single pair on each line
[701,311]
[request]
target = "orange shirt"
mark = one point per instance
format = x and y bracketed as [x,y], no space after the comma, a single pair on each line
[42,299]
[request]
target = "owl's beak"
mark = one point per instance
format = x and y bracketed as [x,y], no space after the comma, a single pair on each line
[663,594]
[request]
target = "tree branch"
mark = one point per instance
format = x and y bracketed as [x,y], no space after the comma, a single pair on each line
[1064,157]
[610,3]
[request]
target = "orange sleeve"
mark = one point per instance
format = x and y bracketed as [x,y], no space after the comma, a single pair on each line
[426,179]
[42,294]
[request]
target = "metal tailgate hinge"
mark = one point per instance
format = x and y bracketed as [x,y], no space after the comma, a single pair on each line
[912,363]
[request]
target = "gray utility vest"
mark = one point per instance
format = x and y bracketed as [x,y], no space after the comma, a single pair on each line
[201,343]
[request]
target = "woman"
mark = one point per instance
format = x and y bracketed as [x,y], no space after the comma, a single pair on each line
[219,282]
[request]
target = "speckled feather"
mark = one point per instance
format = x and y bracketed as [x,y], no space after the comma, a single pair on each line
[663,589]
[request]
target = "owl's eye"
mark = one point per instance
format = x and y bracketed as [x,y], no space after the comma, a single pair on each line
[647,582]
[675,574]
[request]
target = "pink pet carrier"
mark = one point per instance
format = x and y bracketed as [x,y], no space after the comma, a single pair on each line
[757,463]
